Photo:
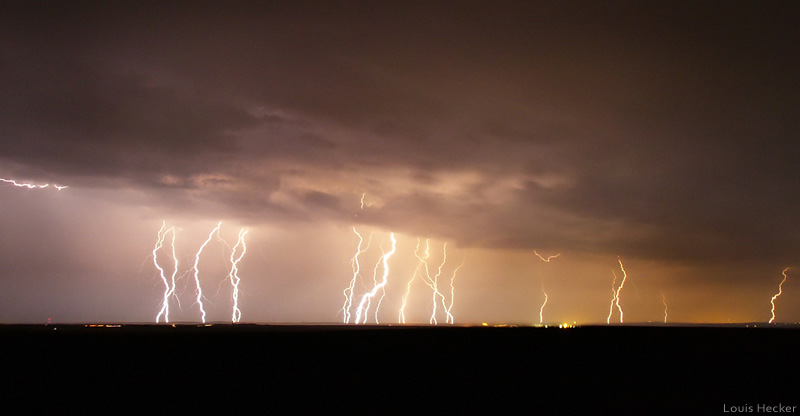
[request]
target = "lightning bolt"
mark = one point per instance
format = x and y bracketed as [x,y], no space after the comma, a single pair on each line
[197,272]
[234,274]
[380,301]
[435,287]
[30,185]
[664,301]
[431,282]
[615,293]
[348,291]
[421,262]
[621,285]
[613,297]
[367,296]
[546,260]
[374,283]
[453,291]
[169,290]
[354,263]
[541,310]
[780,290]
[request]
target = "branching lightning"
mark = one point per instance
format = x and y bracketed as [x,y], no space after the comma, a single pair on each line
[374,284]
[348,291]
[363,308]
[421,262]
[616,292]
[453,291]
[237,254]
[435,287]
[196,269]
[354,263]
[32,186]
[780,290]
[379,286]
[234,274]
[169,289]
[619,289]
[546,260]
[423,271]
[613,297]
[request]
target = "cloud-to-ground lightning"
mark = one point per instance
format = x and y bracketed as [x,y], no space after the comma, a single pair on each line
[234,274]
[380,301]
[450,318]
[541,310]
[238,252]
[613,296]
[354,263]
[196,269]
[546,260]
[374,284]
[435,287]
[423,271]
[348,291]
[169,289]
[402,318]
[619,289]
[384,280]
[664,301]
[780,290]
[31,185]
[616,292]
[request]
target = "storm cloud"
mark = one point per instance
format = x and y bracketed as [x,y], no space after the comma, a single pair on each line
[664,131]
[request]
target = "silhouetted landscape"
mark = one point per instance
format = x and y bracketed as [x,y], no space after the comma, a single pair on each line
[479,370]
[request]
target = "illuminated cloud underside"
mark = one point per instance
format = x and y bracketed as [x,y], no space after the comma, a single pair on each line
[663,134]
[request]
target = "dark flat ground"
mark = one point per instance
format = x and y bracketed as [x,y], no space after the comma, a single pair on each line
[260,369]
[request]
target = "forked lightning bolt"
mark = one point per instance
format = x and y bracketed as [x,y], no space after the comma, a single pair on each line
[615,299]
[780,290]
[237,253]
[421,262]
[374,284]
[354,263]
[546,260]
[169,289]
[431,282]
[453,291]
[379,286]
[613,296]
[30,185]
[196,269]
[348,291]
[619,289]
[234,274]
[435,287]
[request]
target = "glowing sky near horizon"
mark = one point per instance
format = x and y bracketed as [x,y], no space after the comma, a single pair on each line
[663,134]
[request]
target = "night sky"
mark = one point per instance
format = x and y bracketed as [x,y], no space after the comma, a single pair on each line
[664,134]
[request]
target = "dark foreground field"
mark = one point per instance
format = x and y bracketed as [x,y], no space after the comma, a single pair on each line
[256,369]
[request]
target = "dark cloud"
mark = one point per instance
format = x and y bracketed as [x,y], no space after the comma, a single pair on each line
[666,130]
